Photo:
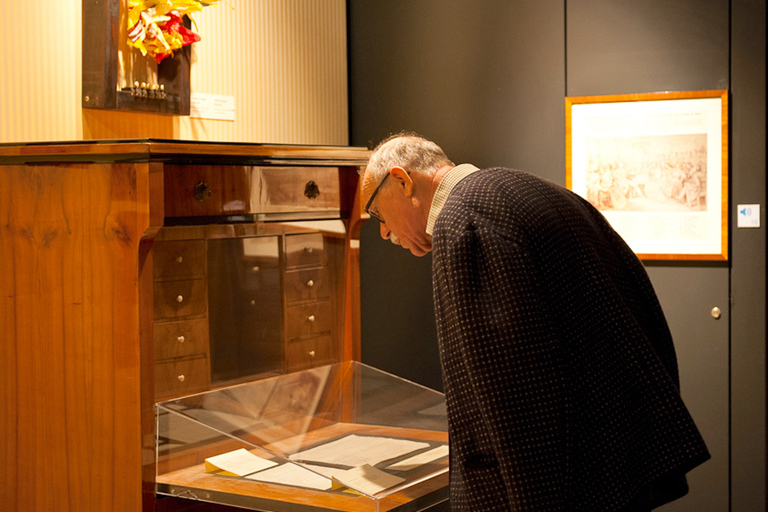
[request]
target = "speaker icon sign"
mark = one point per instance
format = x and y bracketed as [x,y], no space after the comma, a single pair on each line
[748,216]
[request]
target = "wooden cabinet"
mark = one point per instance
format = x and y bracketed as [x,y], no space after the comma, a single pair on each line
[118,257]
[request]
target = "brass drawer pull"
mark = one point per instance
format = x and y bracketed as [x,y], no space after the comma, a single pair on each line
[310,283]
[179,259]
[181,339]
[309,250]
[181,378]
[311,353]
[311,318]
[179,299]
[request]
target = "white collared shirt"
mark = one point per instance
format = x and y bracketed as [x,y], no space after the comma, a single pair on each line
[450,180]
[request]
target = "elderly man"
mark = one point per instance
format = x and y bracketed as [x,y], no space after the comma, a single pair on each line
[559,369]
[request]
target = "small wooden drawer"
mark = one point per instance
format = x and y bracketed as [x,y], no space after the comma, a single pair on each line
[300,189]
[182,377]
[304,250]
[307,353]
[303,285]
[179,258]
[174,299]
[308,320]
[181,339]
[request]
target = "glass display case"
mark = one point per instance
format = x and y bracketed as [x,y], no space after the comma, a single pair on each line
[342,437]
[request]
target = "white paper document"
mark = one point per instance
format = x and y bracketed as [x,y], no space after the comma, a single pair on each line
[354,450]
[366,479]
[420,459]
[237,463]
[294,475]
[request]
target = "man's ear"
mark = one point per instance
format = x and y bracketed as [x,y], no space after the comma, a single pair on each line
[402,179]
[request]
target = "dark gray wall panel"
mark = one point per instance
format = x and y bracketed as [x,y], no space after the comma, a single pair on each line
[625,46]
[482,79]
[748,279]
[485,80]
[687,295]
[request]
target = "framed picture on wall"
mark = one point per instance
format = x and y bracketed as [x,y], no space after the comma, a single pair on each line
[656,165]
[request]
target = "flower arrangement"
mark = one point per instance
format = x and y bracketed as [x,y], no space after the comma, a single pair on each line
[154,26]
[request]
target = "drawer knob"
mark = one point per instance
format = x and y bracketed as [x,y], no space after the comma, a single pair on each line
[181,339]
[202,191]
[179,299]
[179,259]
[255,268]
[311,353]
[310,283]
[181,378]
[308,250]
[311,318]
[311,190]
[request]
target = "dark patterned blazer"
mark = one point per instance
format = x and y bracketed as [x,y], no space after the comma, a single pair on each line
[559,369]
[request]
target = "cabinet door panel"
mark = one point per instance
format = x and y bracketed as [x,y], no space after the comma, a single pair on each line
[245,308]
[687,295]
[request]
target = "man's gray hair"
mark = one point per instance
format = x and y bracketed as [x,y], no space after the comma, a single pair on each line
[408,150]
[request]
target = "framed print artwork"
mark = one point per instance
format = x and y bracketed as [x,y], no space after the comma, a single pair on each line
[656,165]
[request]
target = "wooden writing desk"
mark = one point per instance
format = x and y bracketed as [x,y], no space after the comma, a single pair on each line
[82,300]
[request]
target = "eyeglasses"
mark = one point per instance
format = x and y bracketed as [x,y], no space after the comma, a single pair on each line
[367,209]
[373,213]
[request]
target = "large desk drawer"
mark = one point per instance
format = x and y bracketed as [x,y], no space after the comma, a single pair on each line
[231,190]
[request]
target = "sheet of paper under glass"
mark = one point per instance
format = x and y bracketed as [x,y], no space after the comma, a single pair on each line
[355,450]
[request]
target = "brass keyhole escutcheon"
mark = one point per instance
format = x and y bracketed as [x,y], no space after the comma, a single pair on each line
[201,191]
[311,190]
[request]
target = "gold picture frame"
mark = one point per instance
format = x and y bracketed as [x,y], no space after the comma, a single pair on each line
[656,165]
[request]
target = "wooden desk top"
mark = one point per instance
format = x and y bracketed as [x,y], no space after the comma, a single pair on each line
[179,151]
